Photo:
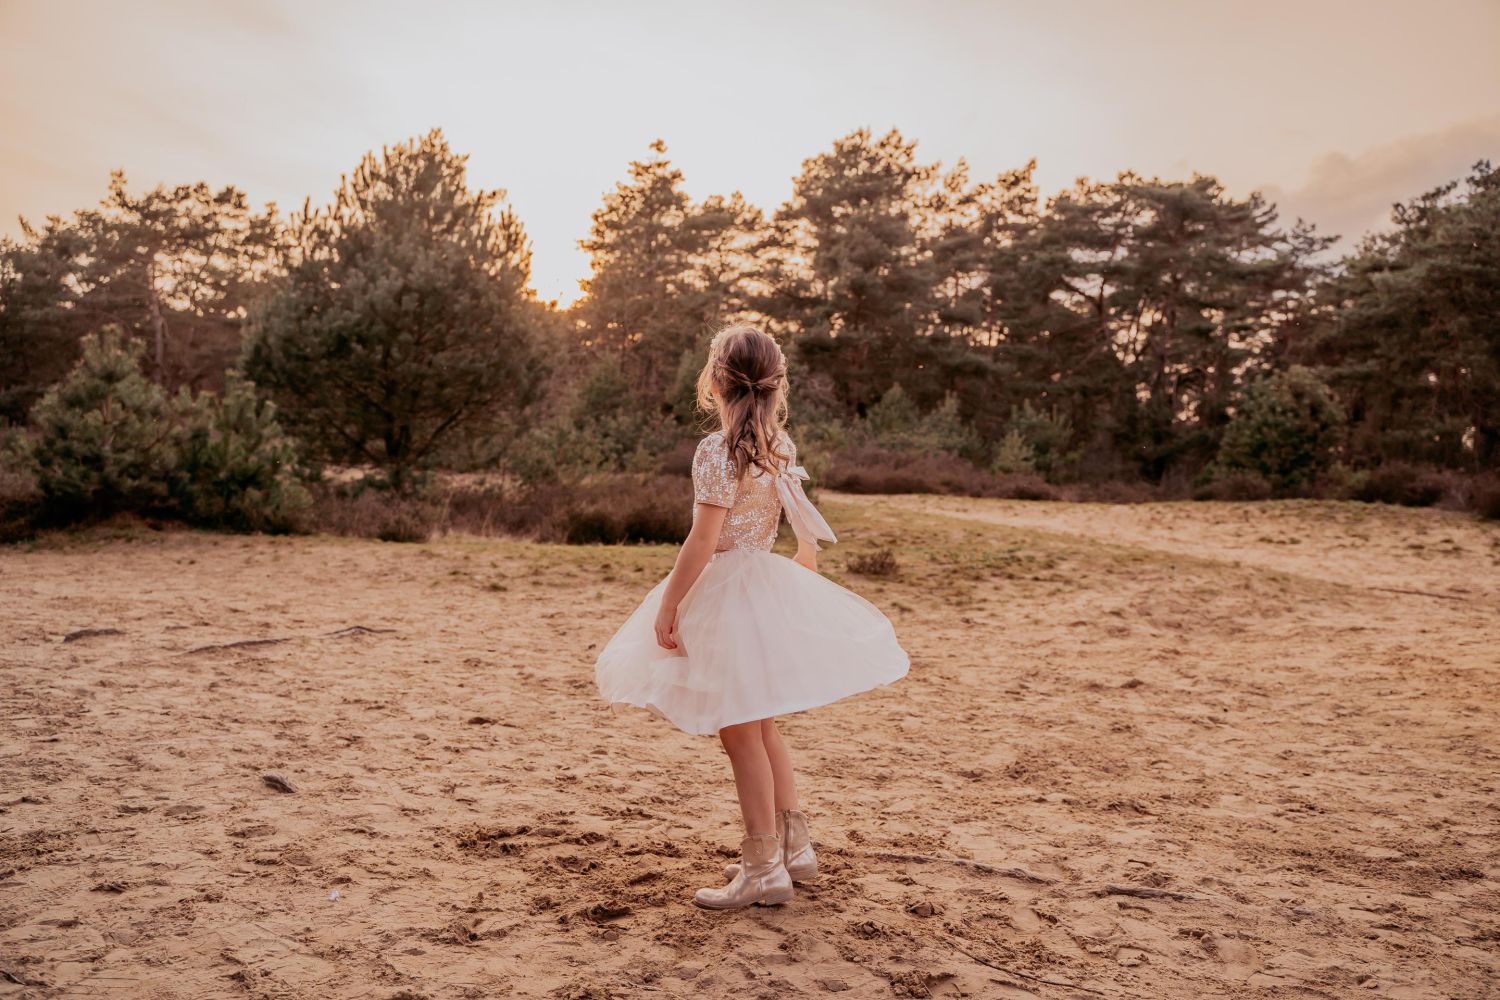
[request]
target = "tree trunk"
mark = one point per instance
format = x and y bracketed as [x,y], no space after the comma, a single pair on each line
[158,324]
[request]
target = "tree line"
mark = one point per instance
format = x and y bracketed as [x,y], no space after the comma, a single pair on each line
[1134,329]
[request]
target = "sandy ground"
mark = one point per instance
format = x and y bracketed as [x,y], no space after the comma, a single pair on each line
[1177,751]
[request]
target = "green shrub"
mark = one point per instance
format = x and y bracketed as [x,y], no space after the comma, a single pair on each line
[235,467]
[1285,431]
[1015,454]
[105,437]
[1037,441]
[106,440]
[1340,482]
[895,423]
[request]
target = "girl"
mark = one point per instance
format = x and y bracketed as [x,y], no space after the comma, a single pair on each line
[736,636]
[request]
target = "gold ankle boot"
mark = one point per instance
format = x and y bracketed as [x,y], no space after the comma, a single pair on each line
[760,879]
[796,847]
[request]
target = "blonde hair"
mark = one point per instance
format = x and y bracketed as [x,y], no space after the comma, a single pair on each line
[744,384]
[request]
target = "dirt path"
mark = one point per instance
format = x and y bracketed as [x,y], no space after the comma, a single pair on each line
[1362,545]
[1291,775]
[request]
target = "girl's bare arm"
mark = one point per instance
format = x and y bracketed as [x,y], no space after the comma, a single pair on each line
[696,550]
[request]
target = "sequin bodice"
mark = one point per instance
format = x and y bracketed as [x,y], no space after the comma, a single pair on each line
[754,505]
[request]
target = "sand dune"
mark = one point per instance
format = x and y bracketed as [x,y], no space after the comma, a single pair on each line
[1157,751]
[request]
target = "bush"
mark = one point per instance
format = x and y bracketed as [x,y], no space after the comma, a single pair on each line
[606,510]
[366,508]
[879,470]
[895,423]
[1021,486]
[658,509]
[1486,499]
[1036,441]
[878,563]
[106,440]
[1285,431]
[1404,484]
[1116,491]
[406,520]
[1341,482]
[20,500]
[1235,486]
[235,466]
[1015,454]
[105,437]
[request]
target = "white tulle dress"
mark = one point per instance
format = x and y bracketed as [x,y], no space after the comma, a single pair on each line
[758,634]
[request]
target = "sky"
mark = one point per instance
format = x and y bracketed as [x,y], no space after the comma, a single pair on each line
[1334,109]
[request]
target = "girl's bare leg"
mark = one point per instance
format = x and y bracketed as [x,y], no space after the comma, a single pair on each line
[781,766]
[754,780]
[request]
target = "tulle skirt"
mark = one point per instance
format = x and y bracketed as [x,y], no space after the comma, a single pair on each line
[758,636]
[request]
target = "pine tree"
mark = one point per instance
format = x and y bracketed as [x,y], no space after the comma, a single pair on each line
[851,276]
[1135,309]
[235,467]
[174,267]
[1412,335]
[404,318]
[104,439]
[664,273]
[1286,430]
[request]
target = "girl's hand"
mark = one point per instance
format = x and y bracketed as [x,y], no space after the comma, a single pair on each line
[806,556]
[666,627]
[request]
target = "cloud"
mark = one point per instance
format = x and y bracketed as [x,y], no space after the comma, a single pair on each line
[1349,196]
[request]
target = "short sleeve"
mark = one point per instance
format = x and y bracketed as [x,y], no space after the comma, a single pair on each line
[714,480]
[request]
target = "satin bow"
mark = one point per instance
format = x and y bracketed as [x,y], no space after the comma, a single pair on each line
[807,524]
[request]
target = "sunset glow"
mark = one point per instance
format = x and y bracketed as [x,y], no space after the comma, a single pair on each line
[1335,109]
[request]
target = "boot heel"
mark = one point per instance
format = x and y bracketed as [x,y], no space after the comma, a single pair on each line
[776,897]
[803,873]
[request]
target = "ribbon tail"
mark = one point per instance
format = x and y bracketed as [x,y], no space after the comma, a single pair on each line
[807,523]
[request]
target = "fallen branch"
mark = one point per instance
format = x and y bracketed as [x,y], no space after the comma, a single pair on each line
[89,633]
[1146,892]
[241,644]
[1017,973]
[342,633]
[1421,593]
[1016,873]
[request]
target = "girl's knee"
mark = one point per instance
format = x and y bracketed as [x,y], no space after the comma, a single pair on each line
[745,734]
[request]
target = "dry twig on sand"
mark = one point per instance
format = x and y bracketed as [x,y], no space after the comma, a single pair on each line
[923,859]
[1146,892]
